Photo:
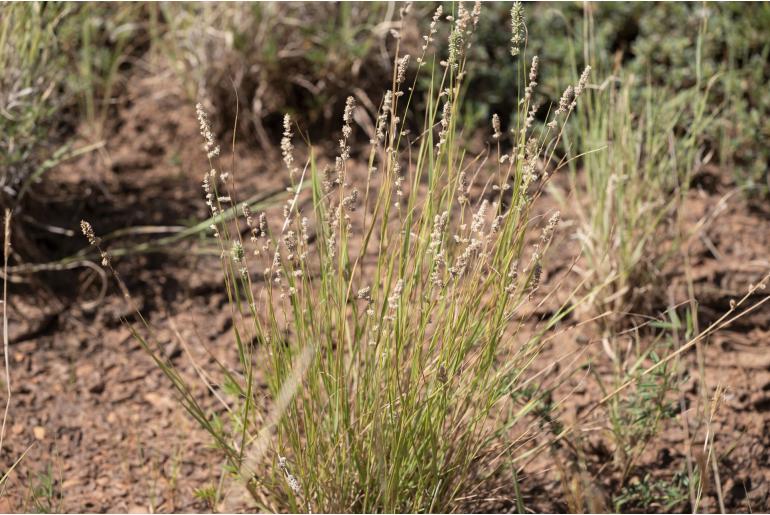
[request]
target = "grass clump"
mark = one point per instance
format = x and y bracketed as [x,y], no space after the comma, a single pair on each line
[57,59]
[637,146]
[278,56]
[385,317]
[636,172]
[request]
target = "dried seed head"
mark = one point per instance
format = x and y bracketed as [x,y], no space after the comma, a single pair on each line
[496,126]
[402,66]
[462,262]
[437,235]
[382,119]
[462,19]
[263,225]
[247,215]
[497,223]
[446,114]
[349,202]
[529,90]
[347,116]
[94,240]
[237,252]
[394,298]
[455,48]
[517,28]
[287,148]
[305,230]
[290,479]
[530,164]
[212,148]
[476,13]
[545,237]
[290,240]
[436,16]
[462,188]
[478,219]
[88,232]
[364,293]
[432,30]
[564,105]
[565,100]
[580,86]
[530,119]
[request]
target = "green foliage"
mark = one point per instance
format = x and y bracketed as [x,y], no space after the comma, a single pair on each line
[660,46]
[56,59]
[648,494]
[31,69]
[636,416]
[207,494]
[43,496]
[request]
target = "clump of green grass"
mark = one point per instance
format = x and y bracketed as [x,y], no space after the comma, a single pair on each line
[31,68]
[55,58]
[386,317]
[633,153]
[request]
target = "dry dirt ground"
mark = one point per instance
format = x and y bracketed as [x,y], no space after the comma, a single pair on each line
[98,417]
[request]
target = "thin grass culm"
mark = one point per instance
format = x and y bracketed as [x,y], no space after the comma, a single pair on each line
[390,303]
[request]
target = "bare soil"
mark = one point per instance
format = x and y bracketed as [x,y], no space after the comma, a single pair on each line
[93,411]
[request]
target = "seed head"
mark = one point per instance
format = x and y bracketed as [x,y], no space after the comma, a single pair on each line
[263,225]
[564,105]
[287,148]
[402,66]
[349,202]
[396,295]
[478,219]
[535,280]
[496,126]
[205,127]
[517,28]
[382,119]
[237,252]
[580,86]
[476,12]
[437,235]
[462,188]
[455,48]
[88,232]
[461,264]
[347,116]
[364,293]
[532,80]
[446,114]
[545,237]
[290,479]
[290,240]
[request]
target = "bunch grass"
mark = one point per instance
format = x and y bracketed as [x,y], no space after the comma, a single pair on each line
[391,345]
